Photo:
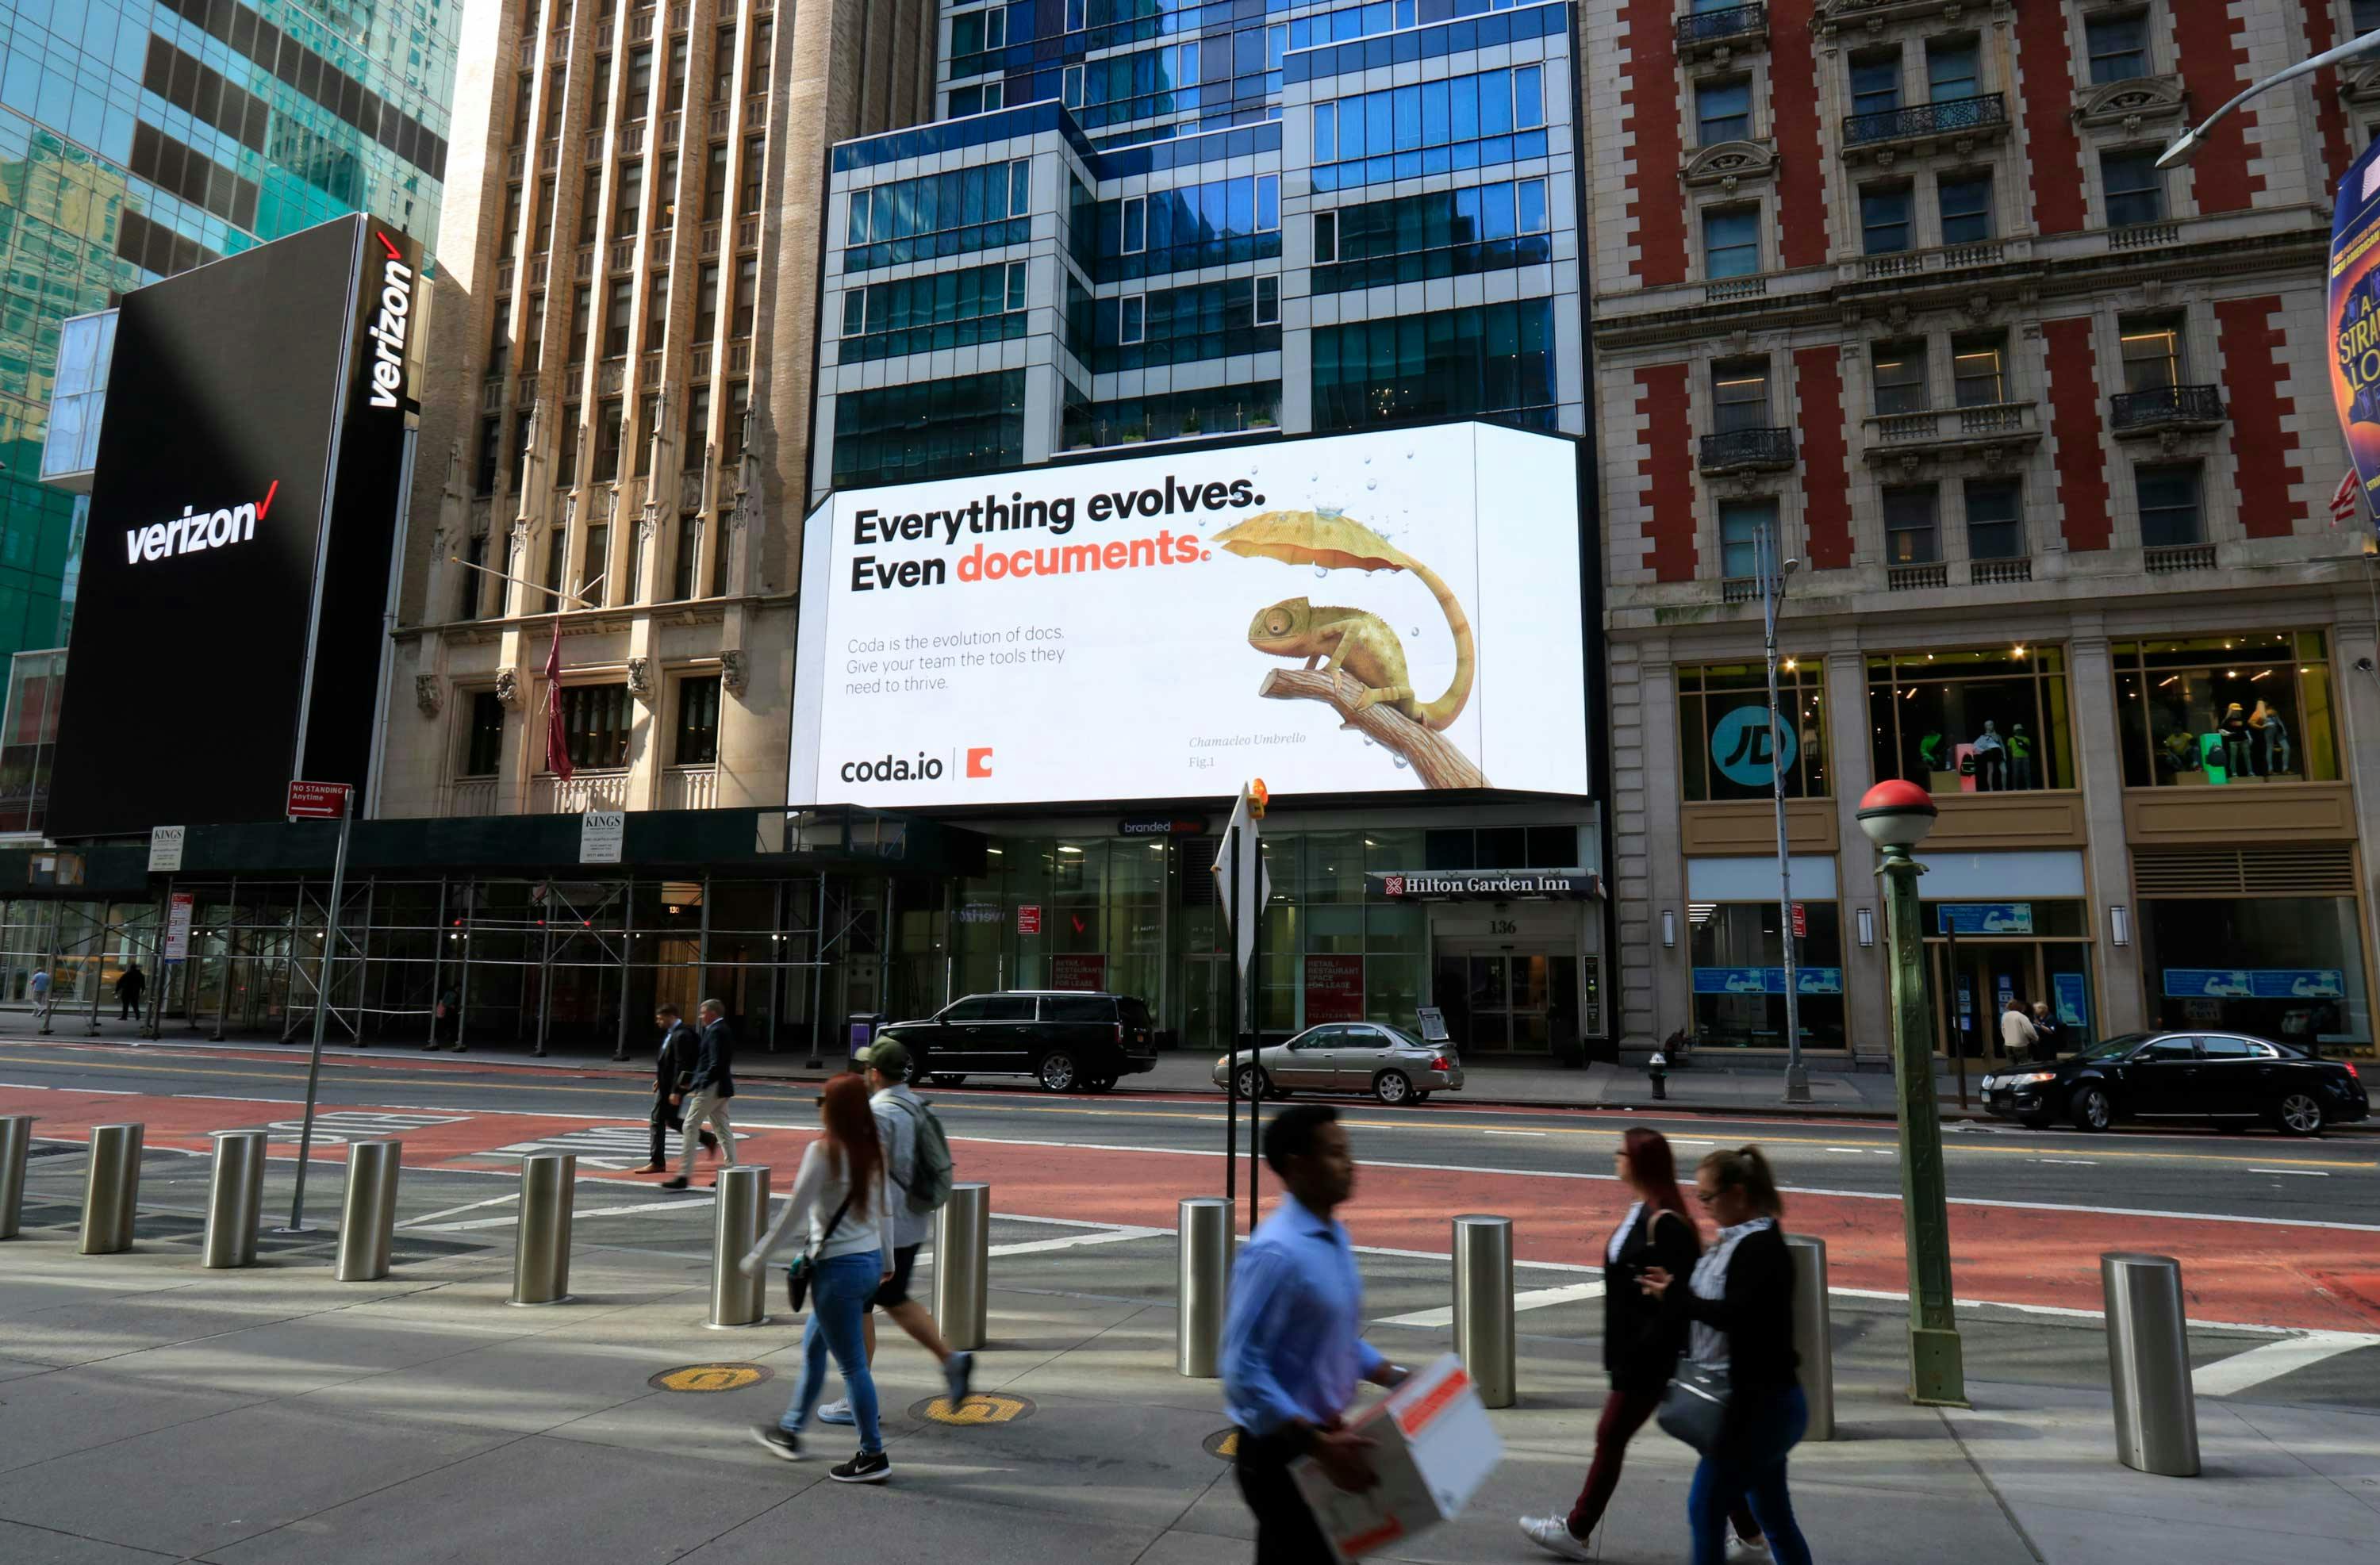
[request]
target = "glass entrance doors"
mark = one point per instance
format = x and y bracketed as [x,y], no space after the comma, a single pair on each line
[1974,979]
[1205,1002]
[1501,1002]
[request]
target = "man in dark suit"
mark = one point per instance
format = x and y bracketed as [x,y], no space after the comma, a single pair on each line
[672,1066]
[712,1084]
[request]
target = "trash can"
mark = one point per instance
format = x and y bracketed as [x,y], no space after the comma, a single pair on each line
[861,1027]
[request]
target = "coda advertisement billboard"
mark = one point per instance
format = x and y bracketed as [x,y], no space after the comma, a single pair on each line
[1381,612]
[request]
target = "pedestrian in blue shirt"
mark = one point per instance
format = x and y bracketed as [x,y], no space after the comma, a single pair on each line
[1293,1340]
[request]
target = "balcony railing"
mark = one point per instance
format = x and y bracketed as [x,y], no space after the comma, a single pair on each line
[1739,449]
[2166,407]
[585,791]
[475,795]
[1735,26]
[690,787]
[1949,429]
[1999,573]
[2142,235]
[1917,578]
[1725,289]
[2166,559]
[1738,589]
[1917,122]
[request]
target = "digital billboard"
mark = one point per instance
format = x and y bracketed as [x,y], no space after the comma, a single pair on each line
[1380,612]
[228,629]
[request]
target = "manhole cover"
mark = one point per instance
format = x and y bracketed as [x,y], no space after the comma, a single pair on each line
[711,1377]
[984,1407]
[1223,1445]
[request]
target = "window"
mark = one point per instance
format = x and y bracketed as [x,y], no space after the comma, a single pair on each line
[755,173]
[532,352]
[715,184]
[2218,710]
[1953,69]
[582,310]
[557,549]
[1740,397]
[483,731]
[1430,128]
[557,98]
[938,214]
[1136,225]
[1966,208]
[1731,242]
[596,720]
[492,436]
[2170,515]
[590,207]
[607,418]
[565,472]
[697,721]
[640,80]
[739,409]
[747,289]
[2119,46]
[656,309]
[511,236]
[1977,374]
[1994,528]
[975,31]
[617,316]
[1884,218]
[961,424]
[629,203]
[1744,528]
[1973,719]
[1738,952]
[1075,15]
[1723,733]
[677,73]
[698,428]
[522,87]
[2135,187]
[1900,379]
[1131,318]
[1267,301]
[595,567]
[1325,237]
[1911,531]
[599,109]
[472,585]
[1876,82]
[1723,110]
[689,551]
[1268,203]
[705,304]
[722,65]
[2364,15]
[546,192]
[1494,359]
[761,55]
[665,196]
[1071,87]
[2152,355]
[648,421]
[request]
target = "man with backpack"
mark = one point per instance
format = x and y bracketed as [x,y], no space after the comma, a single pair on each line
[917,1156]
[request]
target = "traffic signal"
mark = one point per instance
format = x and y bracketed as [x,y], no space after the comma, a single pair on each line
[1258,797]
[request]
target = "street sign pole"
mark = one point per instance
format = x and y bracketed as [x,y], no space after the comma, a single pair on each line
[322,1011]
[1232,1020]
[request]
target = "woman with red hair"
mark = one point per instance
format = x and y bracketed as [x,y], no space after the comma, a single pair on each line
[1640,1339]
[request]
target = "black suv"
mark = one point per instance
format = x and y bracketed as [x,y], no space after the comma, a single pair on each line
[1066,1040]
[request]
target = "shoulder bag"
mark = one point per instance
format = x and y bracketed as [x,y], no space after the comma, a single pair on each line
[1695,1407]
[798,1276]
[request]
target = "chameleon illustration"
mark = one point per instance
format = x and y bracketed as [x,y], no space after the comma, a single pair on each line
[1359,642]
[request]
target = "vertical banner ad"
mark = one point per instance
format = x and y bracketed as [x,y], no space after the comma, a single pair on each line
[2355,317]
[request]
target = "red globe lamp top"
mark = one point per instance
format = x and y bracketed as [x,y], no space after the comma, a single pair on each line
[1896,814]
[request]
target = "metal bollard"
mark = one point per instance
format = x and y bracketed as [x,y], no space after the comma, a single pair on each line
[541,1246]
[962,1238]
[16,1146]
[2148,1365]
[368,1216]
[235,1199]
[1814,1332]
[738,1222]
[1203,1282]
[111,1191]
[1482,1307]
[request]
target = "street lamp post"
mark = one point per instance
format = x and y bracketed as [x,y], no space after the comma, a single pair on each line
[2187,142]
[1773,571]
[1896,814]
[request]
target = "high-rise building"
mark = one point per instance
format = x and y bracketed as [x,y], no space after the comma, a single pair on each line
[139,141]
[617,424]
[1897,291]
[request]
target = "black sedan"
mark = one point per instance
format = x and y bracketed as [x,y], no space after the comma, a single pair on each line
[2229,1078]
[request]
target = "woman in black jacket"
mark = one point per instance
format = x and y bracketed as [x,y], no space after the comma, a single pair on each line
[1640,1339]
[1740,1306]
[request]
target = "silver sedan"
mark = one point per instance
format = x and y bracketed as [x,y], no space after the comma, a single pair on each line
[1350,1057]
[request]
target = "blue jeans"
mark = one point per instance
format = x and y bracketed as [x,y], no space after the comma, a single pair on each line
[840,1290]
[1751,1465]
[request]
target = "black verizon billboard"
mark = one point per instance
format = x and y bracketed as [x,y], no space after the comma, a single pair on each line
[227,633]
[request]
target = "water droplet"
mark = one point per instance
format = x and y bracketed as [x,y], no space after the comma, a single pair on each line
[1371,483]
[1368,741]
[1401,763]
[1320,571]
[1415,632]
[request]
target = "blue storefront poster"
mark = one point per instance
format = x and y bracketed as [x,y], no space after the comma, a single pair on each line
[1766,980]
[2074,999]
[1741,742]
[2199,983]
[2297,983]
[1983,917]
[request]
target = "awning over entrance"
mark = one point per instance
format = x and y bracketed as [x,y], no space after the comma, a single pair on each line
[1488,885]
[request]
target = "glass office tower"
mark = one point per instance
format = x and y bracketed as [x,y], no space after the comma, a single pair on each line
[141,137]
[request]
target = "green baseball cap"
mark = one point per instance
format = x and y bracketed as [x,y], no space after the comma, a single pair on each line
[887,1055]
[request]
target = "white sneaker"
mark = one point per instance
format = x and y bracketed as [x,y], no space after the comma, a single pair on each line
[1552,1534]
[837,1413]
[1747,1548]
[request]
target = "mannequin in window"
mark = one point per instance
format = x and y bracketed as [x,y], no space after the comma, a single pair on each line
[2272,739]
[2020,757]
[1930,753]
[2179,751]
[2238,750]
[1991,757]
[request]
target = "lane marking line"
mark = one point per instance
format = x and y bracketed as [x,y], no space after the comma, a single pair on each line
[1536,1298]
[1513,1132]
[2269,1361]
[450,1211]
[2294,1174]
[1073,1240]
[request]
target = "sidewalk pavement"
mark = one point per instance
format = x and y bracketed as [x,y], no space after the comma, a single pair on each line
[152,1410]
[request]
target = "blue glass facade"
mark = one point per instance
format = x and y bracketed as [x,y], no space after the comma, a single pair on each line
[1236,215]
[141,137]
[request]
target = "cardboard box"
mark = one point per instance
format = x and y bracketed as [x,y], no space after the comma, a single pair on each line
[1432,1447]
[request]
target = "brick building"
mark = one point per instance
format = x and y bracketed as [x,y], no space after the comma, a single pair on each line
[2048,432]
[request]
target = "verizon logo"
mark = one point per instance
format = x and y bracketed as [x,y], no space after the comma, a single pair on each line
[388,328]
[195,529]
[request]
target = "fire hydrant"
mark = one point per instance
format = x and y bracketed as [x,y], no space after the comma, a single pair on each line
[1657,1068]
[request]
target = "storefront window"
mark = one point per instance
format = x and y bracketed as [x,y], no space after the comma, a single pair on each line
[1973,722]
[1724,732]
[2213,710]
[1738,976]
[2289,969]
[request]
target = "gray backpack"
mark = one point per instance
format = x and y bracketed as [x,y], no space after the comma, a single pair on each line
[928,1184]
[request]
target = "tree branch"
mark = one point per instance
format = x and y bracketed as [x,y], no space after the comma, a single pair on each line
[1437,763]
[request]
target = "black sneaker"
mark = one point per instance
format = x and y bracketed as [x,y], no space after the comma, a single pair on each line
[677,1184]
[864,1468]
[779,1443]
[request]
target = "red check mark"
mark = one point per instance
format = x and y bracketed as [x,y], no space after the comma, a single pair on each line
[386,244]
[265,505]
